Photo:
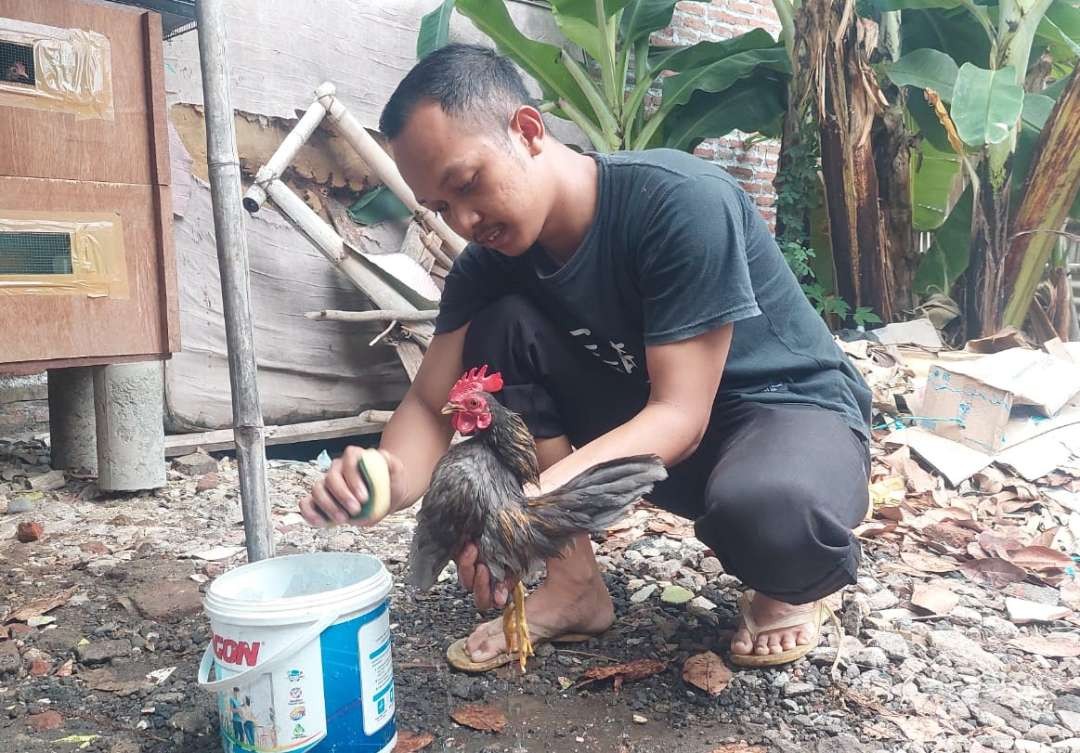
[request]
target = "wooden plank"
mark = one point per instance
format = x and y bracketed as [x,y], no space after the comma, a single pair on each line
[36,367]
[43,144]
[368,422]
[160,178]
[411,355]
[51,327]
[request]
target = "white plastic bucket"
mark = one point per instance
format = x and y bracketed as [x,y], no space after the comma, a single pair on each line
[301,656]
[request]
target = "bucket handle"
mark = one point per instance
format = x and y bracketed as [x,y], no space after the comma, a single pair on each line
[245,677]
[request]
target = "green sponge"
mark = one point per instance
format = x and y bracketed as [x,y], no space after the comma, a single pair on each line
[376,475]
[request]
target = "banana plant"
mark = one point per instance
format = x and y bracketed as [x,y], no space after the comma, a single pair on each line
[602,83]
[989,128]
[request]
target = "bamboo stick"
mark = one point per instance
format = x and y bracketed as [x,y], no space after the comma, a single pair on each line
[378,315]
[225,187]
[384,167]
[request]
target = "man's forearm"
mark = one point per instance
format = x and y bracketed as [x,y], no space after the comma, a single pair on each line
[418,438]
[659,429]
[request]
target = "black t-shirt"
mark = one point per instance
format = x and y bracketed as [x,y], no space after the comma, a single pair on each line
[676,249]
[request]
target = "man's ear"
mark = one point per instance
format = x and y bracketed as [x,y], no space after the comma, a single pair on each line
[528,125]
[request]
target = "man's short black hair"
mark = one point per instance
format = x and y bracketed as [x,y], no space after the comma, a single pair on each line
[468,81]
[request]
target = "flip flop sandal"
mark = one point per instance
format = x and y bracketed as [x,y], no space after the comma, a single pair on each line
[814,615]
[459,658]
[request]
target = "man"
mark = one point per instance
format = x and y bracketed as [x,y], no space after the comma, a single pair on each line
[634,303]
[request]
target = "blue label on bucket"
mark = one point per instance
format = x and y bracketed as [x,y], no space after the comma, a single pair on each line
[359,688]
[334,696]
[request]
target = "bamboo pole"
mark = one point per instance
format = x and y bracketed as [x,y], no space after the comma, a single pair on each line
[383,166]
[225,194]
[378,315]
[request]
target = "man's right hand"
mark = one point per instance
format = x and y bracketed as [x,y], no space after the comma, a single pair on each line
[341,493]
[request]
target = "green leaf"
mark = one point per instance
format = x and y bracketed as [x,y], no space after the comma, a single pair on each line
[925,68]
[1060,30]
[950,30]
[986,105]
[947,257]
[680,59]
[935,177]
[642,17]
[378,205]
[578,22]
[929,127]
[1036,110]
[541,61]
[749,106]
[885,6]
[434,29]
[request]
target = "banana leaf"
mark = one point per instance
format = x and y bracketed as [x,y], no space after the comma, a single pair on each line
[950,30]
[378,205]
[935,178]
[681,59]
[748,106]
[947,257]
[434,29]
[642,17]
[986,105]
[578,22]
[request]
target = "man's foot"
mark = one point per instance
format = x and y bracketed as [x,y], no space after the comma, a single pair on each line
[766,611]
[559,606]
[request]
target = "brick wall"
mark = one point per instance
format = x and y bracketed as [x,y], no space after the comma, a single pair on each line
[754,167]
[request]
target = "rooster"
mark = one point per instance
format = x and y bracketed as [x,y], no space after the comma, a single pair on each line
[476,494]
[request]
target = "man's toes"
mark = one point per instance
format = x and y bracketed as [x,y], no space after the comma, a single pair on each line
[762,646]
[787,641]
[804,636]
[740,643]
[775,646]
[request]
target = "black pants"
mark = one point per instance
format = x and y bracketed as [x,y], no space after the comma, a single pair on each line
[773,490]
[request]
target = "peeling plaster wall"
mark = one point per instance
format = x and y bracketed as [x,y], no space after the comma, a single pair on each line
[279,51]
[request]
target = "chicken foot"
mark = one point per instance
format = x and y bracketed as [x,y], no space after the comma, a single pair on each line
[516,627]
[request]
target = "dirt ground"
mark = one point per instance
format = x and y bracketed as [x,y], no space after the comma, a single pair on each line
[125,576]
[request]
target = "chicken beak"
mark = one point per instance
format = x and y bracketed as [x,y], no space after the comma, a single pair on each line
[448,409]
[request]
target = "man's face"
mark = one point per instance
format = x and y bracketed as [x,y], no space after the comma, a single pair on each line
[488,189]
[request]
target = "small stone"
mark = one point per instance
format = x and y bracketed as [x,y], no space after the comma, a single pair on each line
[101,565]
[643,594]
[544,650]
[639,719]
[45,721]
[676,595]
[1000,628]
[664,569]
[1067,702]
[93,547]
[1072,745]
[965,616]
[894,646]
[868,585]
[48,482]
[191,722]
[21,503]
[700,602]
[794,689]
[883,599]
[967,652]
[1044,733]
[28,532]
[9,658]
[195,464]
[40,667]
[466,688]
[1027,746]
[1070,719]
[207,482]
[873,658]
[711,566]
[634,584]
[100,652]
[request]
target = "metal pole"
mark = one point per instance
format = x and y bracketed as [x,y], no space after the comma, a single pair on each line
[225,194]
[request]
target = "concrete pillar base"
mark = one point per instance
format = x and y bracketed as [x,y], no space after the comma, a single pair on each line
[72,432]
[130,428]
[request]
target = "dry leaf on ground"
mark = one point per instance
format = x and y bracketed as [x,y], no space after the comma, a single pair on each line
[933,599]
[1022,611]
[739,748]
[888,491]
[410,742]
[479,717]
[993,571]
[928,563]
[997,545]
[1039,558]
[1055,645]
[919,729]
[38,607]
[708,672]
[625,672]
[1070,594]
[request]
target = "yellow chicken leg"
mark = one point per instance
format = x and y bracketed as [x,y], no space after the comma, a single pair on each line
[522,644]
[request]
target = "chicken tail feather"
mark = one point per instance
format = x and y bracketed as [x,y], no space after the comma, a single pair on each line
[593,500]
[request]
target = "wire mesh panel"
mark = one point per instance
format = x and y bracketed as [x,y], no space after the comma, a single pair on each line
[16,63]
[35,253]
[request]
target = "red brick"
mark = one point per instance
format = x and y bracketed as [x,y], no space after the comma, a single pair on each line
[45,721]
[39,667]
[30,531]
[692,8]
[765,201]
[741,172]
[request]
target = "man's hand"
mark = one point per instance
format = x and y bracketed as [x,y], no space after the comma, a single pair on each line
[475,577]
[341,493]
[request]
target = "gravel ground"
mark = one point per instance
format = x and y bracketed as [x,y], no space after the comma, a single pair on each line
[966,671]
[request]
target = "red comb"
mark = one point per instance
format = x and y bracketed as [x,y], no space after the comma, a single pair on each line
[475,380]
